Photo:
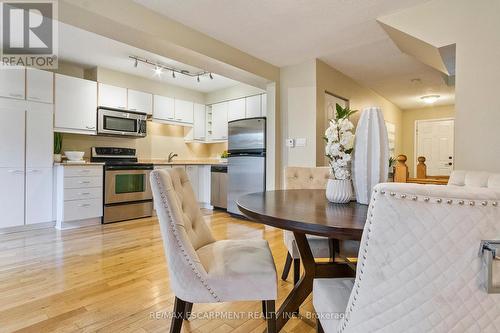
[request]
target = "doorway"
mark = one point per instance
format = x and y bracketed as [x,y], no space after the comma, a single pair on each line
[434,140]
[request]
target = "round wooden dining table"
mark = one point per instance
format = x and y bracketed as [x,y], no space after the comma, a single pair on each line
[306,212]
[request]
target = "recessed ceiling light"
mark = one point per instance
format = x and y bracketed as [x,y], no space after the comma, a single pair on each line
[430,99]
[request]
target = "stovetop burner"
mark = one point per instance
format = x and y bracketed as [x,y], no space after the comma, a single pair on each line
[117,158]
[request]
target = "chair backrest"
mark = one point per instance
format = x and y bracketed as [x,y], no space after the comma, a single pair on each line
[475,179]
[306,178]
[183,231]
[418,267]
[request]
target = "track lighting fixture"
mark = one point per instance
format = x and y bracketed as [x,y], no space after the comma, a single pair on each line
[158,69]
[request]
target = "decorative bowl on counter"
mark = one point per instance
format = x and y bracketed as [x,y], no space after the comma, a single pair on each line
[74,155]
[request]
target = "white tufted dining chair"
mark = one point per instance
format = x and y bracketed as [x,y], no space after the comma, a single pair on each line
[419,268]
[202,269]
[321,247]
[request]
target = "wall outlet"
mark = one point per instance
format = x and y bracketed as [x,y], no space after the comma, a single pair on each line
[290,143]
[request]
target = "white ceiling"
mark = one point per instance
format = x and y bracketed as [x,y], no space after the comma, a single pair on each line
[343,33]
[91,50]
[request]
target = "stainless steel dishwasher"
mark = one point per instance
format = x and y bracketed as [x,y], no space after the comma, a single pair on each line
[218,197]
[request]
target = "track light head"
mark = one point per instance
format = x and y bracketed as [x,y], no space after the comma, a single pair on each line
[158,70]
[210,76]
[173,74]
[198,79]
[136,63]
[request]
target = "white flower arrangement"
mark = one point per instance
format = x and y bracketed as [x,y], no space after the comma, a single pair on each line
[339,143]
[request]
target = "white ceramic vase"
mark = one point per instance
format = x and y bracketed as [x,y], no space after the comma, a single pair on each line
[371,154]
[339,190]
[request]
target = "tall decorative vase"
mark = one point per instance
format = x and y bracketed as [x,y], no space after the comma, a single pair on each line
[339,190]
[371,154]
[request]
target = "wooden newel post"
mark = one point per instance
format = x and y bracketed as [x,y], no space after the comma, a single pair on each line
[421,168]
[401,173]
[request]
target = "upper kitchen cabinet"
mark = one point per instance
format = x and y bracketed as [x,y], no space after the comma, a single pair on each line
[75,105]
[12,82]
[12,135]
[39,86]
[163,108]
[253,106]
[184,111]
[112,97]
[263,105]
[219,121]
[199,125]
[140,101]
[236,109]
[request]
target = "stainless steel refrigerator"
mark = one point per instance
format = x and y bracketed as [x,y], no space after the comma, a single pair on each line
[247,159]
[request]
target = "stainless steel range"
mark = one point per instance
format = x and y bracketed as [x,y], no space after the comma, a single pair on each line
[127,193]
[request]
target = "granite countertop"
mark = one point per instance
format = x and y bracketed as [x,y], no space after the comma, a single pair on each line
[82,163]
[201,161]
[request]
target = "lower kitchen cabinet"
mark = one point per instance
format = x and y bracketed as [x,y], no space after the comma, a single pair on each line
[79,191]
[12,197]
[39,195]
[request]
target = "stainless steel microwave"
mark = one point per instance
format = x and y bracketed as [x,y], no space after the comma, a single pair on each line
[121,123]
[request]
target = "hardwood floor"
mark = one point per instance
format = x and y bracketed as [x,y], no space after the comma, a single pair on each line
[113,278]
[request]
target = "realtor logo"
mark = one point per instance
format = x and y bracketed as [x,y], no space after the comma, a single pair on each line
[29,33]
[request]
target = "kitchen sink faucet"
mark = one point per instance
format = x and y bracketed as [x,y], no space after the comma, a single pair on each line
[171,156]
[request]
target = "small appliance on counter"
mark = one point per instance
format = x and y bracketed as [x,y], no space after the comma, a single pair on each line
[247,159]
[118,122]
[127,193]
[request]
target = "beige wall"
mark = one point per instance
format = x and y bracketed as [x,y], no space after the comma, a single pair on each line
[238,91]
[410,116]
[474,27]
[333,81]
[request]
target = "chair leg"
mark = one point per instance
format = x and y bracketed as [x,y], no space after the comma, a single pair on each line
[270,316]
[319,328]
[188,310]
[288,265]
[264,313]
[178,315]
[296,271]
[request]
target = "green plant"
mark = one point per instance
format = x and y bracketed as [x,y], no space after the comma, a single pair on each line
[343,112]
[58,139]
[225,154]
[392,162]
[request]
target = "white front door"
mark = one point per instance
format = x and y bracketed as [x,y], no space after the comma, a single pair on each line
[435,142]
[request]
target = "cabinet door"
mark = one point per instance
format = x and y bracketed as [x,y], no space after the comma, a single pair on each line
[253,106]
[39,135]
[12,126]
[163,108]
[219,121]
[112,97]
[263,104]
[39,85]
[12,197]
[75,105]
[184,111]
[38,195]
[236,109]
[140,101]
[199,125]
[214,191]
[12,82]
[192,172]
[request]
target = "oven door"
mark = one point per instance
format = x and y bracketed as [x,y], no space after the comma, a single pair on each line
[127,186]
[114,122]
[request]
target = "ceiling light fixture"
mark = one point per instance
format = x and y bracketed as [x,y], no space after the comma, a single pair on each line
[430,99]
[158,69]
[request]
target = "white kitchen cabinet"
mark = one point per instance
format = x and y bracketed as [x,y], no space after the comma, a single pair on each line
[199,123]
[12,133]
[39,195]
[236,109]
[263,104]
[163,108]
[253,106]
[219,121]
[184,111]
[112,96]
[12,82]
[75,105]
[12,197]
[39,86]
[192,172]
[39,135]
[140,101]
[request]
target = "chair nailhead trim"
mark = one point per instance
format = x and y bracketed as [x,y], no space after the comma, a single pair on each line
[461,202]
[426,199]
[414,198]
[494,203]
[393,194]
[484,203]
[449,201]
[439,200]
[471,203]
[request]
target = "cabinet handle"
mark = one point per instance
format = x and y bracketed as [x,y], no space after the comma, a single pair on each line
[121,107]
[84,171]
[17,172]
[85,193]
[90,127]
[131,109]
[34,97]
[15,95]
[170,118]
[84,205]
[34,171]
[178,119]
[84,182]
